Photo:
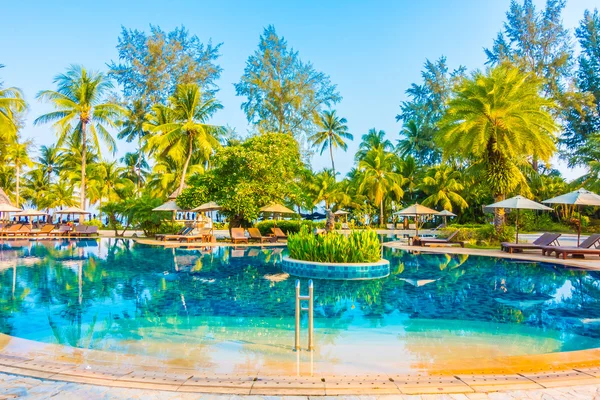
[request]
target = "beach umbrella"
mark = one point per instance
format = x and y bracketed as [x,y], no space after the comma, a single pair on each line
[276,209]
[206,207]
[519,203]
[30,213]
[578,198]
[169,206]
[445,214]
[72,210]
[6,208]
[340,213]
[415,211]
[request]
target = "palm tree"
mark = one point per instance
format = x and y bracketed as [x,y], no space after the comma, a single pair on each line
[81,114]
[11,105]
[442,184]
[18,155]
[373,139]
[323,187]
[49,161]
[36,188]
[188,132]
[380,177]
[135,127]
[416,140]
[332,134]
[136,168]
[109,183]
[498,120]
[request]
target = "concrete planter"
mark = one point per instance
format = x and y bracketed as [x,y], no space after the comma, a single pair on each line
[336,271]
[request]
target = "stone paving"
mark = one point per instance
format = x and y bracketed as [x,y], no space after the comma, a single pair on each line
[19,387]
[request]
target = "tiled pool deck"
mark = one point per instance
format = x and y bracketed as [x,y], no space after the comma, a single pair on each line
[35,370]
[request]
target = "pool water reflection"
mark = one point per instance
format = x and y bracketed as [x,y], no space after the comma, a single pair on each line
[224,306]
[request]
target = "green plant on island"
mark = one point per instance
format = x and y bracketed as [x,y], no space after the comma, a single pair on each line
[357,247]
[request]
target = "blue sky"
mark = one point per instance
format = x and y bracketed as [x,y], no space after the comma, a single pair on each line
[373,50]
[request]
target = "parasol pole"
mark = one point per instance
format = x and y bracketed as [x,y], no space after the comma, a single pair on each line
[517,225]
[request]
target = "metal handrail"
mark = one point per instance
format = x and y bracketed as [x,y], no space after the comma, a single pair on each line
[311,314]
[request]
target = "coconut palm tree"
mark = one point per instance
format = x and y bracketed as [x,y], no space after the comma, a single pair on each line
[49,161]
[380,177]
[17,154]
[11,105]
[108,182]
[443,185]
[135,127]
[36,188]
[499,121]
[371,140]
[82,114]
[333,131]
[188,133]
[323,187]
[417,141]
[136,168]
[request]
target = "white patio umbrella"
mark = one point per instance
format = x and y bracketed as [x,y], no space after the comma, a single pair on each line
[414,211]
[169,206]
[340,213]
[579,198]
[518,203]
[445,214]
[30,213]
[72,211]
[206,207]
[6,208]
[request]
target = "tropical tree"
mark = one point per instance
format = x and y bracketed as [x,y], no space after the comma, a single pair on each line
[11,105]
[372,140]
[136,168]
[332,132]
[416,141]
[380,177]
[188,133]
[109,183]
[82,114]
[36,188]
[324,188]
[498,121]
[443,185]
[49,161]
[18,156]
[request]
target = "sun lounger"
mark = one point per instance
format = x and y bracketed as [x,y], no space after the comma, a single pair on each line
[204,235]
[9,230]
[79,230]
[86,230]
[160,236]
[22,231]
[588,246]
[441,242]
[279,234]
[389,227]
[187,231]
[547,239]
[256,236]
[237,235]
[45,230]
[64,230]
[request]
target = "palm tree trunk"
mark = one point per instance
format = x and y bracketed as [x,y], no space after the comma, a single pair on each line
[331,155]
[18,179]
[138,163]
[83,163]
[498,213]
[185,166]
[381,213]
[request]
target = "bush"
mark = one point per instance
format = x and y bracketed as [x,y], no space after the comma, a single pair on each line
[357,247]
[482,234]
[94,222]
[167,228]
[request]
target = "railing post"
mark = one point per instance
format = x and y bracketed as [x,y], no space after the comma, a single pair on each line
[297,339]
[311,314]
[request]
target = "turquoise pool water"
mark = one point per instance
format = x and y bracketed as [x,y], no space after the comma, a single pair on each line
[223,306]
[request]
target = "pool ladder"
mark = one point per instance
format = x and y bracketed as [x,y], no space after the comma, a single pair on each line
[311,314]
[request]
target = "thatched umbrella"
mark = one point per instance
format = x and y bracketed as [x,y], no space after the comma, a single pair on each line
[414,211]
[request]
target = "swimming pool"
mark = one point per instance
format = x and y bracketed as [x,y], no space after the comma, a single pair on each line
[223,308]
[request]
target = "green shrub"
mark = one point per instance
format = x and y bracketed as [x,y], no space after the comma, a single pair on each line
[357,247]
[482,234]
[94,222]
[166,227]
